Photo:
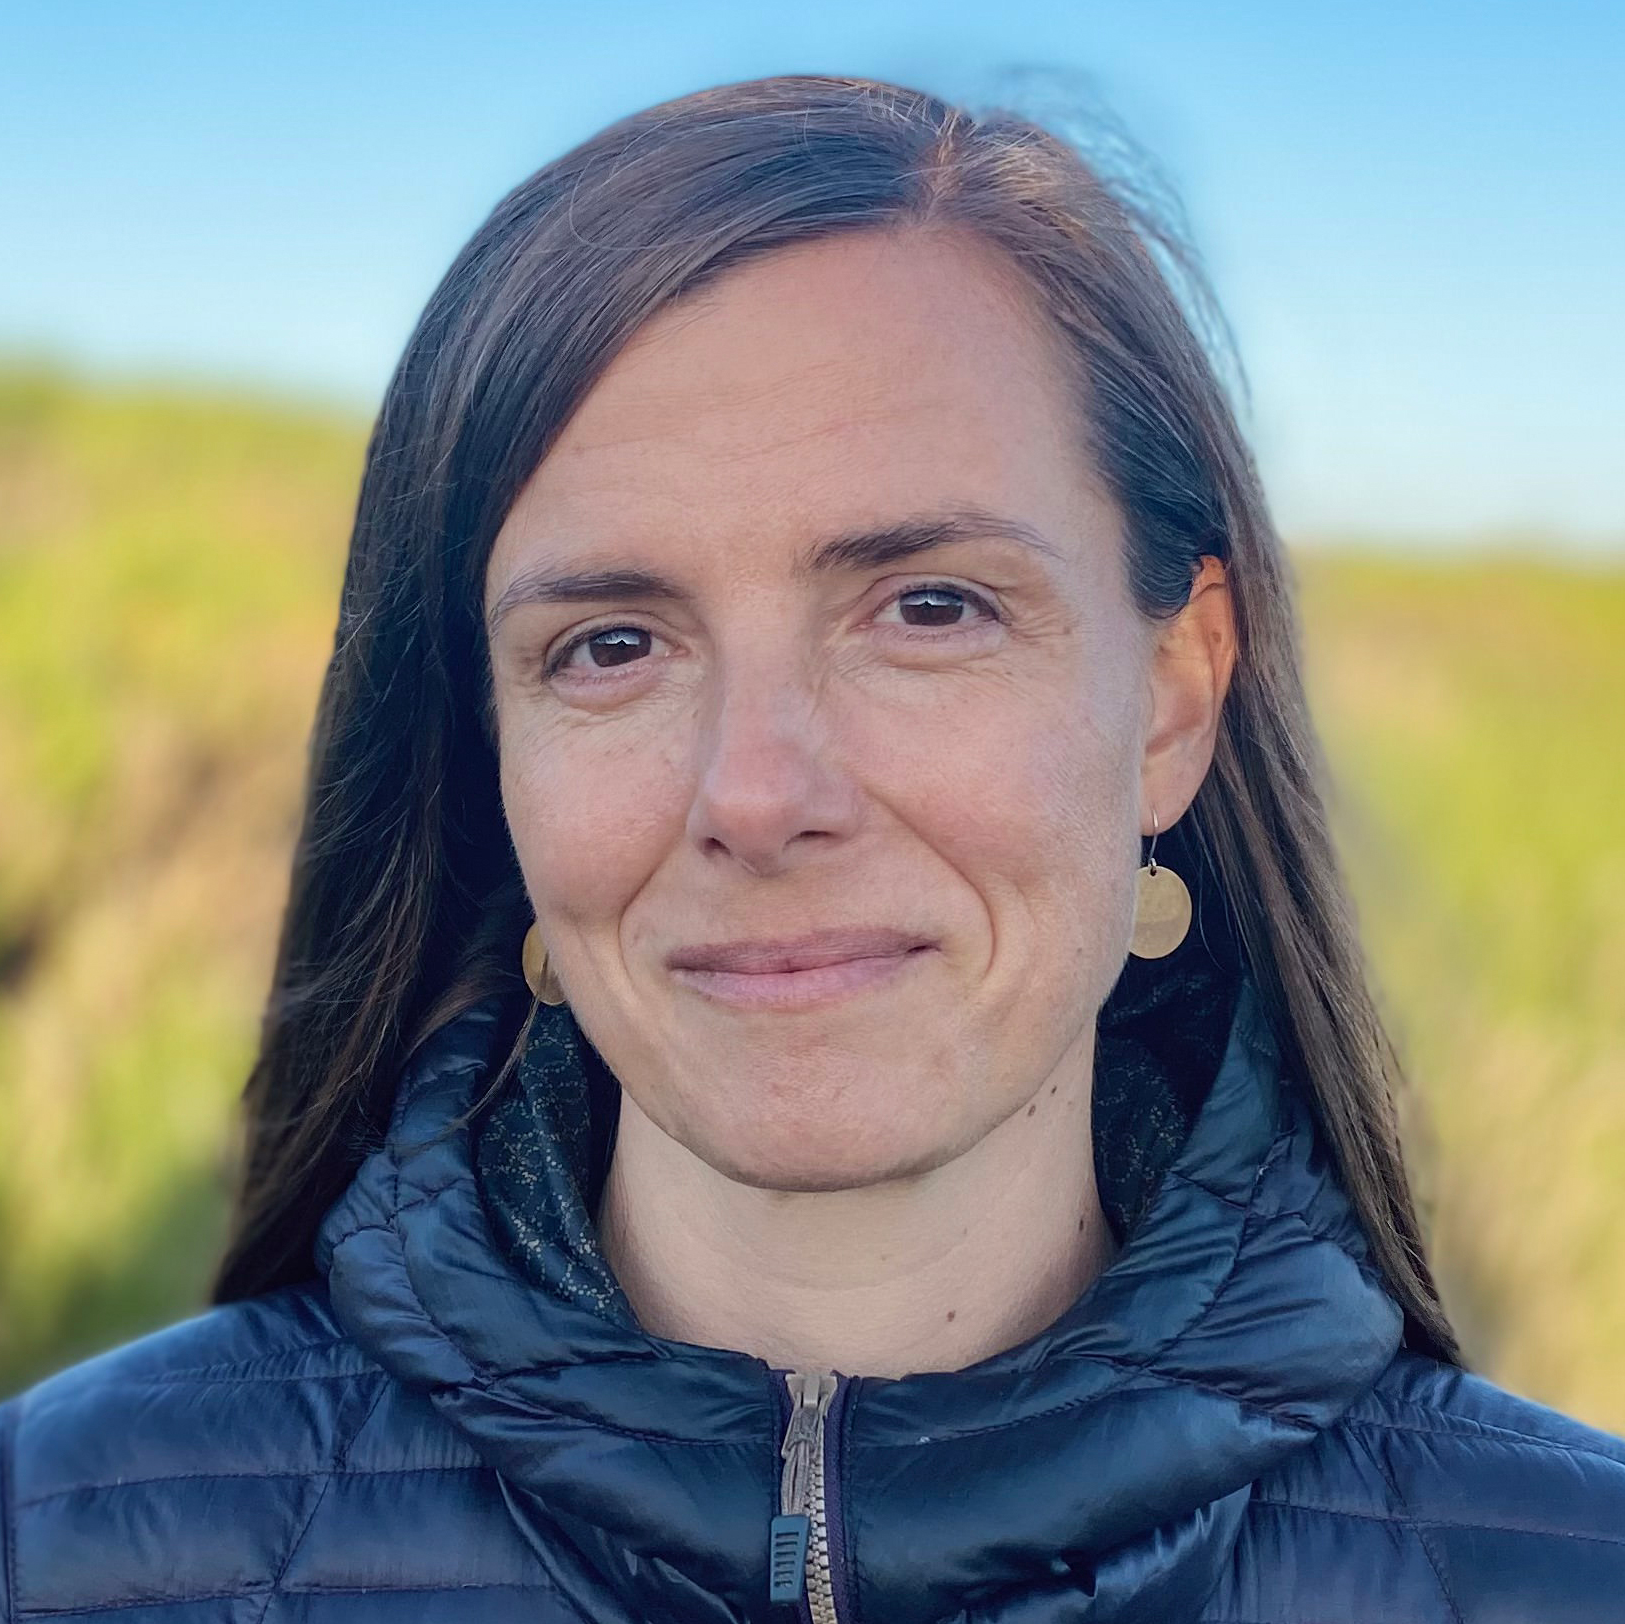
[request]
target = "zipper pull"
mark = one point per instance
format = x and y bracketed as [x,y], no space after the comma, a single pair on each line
[810,1393]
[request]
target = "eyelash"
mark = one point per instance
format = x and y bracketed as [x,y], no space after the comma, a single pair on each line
[555,662]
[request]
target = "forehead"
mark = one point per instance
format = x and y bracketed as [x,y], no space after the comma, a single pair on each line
[828,384]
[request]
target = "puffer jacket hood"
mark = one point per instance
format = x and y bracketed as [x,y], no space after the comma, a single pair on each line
[1099,1471]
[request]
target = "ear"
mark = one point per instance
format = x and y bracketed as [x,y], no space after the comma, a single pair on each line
[1191,662]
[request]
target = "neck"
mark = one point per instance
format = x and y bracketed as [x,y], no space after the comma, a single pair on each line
[929,1272]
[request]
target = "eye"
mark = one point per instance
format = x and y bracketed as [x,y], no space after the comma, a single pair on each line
[622,644]
[943,609]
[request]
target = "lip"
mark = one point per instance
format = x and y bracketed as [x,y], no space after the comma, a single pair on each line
[785,955]
[801,989]
[800,972]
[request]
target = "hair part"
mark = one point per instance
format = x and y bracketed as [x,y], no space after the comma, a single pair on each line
[406,903]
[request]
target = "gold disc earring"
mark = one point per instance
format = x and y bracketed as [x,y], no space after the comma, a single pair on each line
[1162,907]
[539,975]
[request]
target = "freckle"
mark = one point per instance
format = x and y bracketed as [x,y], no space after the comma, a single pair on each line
[1053,1087]
[950,1313]
[1080,1226]
[1031,1109]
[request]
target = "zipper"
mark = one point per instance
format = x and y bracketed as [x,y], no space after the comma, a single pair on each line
[800,1543]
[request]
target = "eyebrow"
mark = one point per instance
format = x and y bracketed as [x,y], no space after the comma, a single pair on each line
[859,549]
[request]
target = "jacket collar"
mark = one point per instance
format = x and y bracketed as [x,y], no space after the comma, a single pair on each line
[1098,1471]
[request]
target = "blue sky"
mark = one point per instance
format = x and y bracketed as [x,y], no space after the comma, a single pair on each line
[1414,214]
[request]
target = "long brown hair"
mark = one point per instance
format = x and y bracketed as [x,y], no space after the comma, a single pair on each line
[406,904]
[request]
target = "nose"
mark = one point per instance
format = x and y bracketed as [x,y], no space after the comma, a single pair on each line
[771,780]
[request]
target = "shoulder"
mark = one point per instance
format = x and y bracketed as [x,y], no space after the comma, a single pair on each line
[1415,1392]
[146,1406]
[193,1459]
[1440,1484]
[1465,1454]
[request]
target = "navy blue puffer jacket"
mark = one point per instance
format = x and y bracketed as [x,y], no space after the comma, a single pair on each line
[1223,1428]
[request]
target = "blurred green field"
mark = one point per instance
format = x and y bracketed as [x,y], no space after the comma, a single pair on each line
[169,570]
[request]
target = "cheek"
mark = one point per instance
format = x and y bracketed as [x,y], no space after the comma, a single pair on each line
[1045,833]
[589,821]
[1034,803]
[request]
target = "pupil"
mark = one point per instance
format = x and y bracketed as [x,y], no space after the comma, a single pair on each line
[623,636]
[947,612]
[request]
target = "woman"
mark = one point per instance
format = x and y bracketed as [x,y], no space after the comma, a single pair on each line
[741,1132]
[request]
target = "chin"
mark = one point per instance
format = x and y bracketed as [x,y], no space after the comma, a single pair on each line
[804,1163]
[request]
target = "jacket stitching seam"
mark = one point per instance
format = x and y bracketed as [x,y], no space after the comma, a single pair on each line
[1250,1217]
[1421,1531]
[449,1081]
[1129,1373]
[214,1477]
[205,1372]
[249,1591]
[1273,1214]
[416,1089]
[423,1198]
[1409,1521]
[191,1373]
[1253,1207]
[646,1437]
[431,1590]
[1481,1431]
[1206,1189]
[339,1459]
[197,1379]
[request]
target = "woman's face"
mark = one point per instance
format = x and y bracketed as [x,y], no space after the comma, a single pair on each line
[776,735]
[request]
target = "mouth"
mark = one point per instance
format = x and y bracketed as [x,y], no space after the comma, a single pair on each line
[811,951]
[806,987]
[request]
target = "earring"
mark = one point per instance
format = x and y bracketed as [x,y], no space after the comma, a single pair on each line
[539,975]
[1162,907]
